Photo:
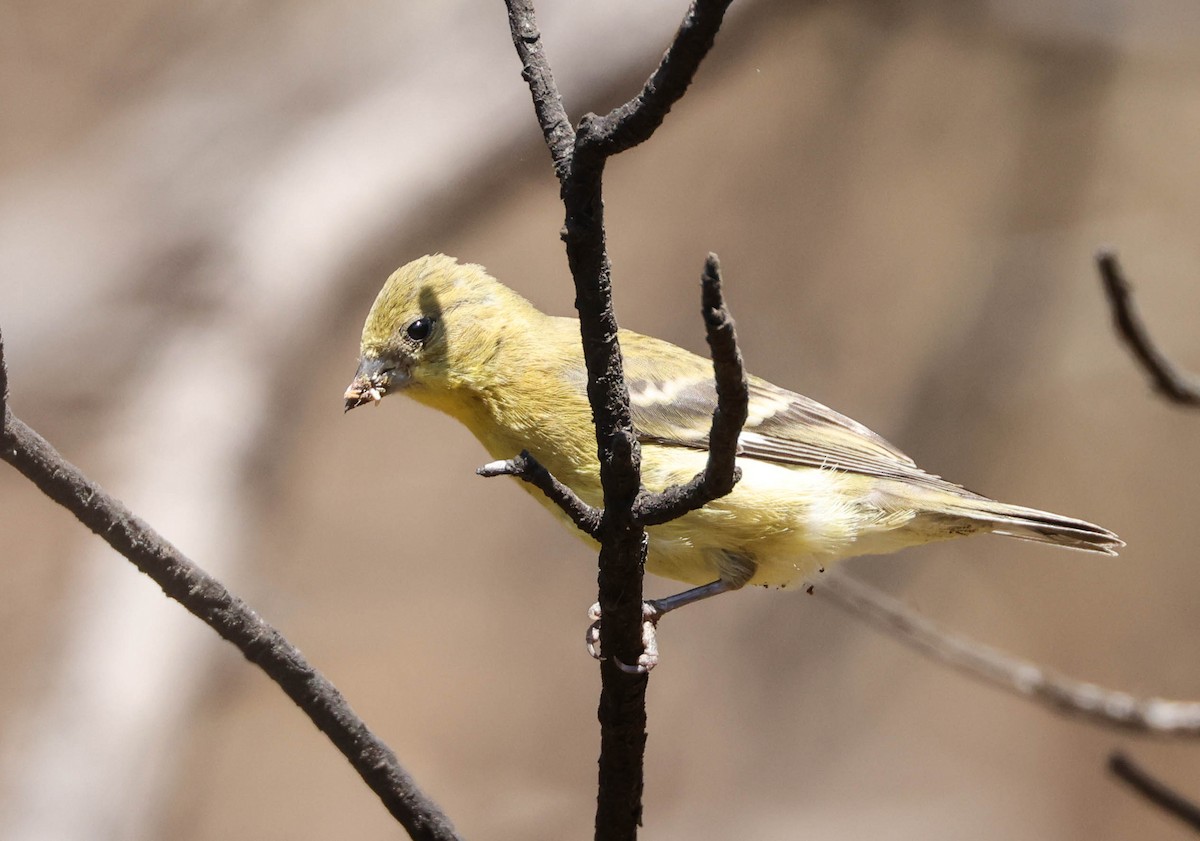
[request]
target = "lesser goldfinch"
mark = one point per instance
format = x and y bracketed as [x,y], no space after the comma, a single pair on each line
[816,486]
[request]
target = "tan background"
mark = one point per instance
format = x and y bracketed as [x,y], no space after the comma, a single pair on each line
[905,197]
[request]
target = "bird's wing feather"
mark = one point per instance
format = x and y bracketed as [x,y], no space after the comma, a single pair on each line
[781,426]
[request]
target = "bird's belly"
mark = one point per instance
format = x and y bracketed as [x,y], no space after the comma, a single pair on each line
[781,524]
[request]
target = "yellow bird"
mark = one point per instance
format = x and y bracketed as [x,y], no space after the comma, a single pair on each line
[816,487]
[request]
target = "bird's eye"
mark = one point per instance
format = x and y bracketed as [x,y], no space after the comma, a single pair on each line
[420,329]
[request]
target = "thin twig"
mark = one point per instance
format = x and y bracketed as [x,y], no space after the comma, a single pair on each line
[1167,799]
[528,469]
[721,473]
[1064,695]
[635,121]
[1168,379]
[229,616]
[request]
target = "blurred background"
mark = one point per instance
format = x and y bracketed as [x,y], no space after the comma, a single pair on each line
[198,203]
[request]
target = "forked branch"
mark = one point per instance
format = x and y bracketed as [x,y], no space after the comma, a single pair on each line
[579,160]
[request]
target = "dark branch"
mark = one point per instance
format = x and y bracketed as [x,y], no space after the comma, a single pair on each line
[635,121]
[1168,379]
[1064,695]
[528,469]
[3,390]
[1170,801]
[230,617]
[733,396]
[622,538]
[535,70]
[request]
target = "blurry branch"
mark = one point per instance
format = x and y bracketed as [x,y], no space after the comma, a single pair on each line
[1169,380]
[1064,695]
[1170,801]
[1178,387]
[579,157]
[205,597]
[721,472]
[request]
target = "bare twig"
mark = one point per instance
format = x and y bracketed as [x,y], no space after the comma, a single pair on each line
[528,469]
[547,102]
[635,121]
[733,396]
[579,166]
[1170,801]
[205,597]
[1064,695]
[1169,380]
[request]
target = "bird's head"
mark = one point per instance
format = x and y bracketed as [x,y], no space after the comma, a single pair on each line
[434,328]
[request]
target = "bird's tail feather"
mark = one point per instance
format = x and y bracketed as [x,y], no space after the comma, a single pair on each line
[1040,526]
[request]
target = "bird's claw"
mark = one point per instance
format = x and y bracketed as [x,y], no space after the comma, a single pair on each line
[592,638]
[649,656]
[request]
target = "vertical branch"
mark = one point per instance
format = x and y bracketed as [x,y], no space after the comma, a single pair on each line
[3,392]
[579,164]
[721,472]
[622,708]
[535,70]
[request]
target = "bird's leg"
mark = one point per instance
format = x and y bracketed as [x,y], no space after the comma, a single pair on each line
[652,611]
[705,591]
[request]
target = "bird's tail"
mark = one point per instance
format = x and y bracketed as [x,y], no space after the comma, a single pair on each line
[1039,526]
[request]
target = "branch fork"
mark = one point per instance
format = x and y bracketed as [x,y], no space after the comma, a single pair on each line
[721,472]
[579,158]
[718,478]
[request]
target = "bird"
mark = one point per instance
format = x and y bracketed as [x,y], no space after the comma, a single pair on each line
[816,487]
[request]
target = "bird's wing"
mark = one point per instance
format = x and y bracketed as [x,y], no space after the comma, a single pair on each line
[781,426]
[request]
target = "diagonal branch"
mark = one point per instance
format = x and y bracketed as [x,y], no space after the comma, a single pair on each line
[1062,694]
[1155,791]
[635,121]
[528,469]
[1169,380]
[229,616]
[733,396]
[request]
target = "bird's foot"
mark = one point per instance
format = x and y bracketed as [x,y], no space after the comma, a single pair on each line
[648,659]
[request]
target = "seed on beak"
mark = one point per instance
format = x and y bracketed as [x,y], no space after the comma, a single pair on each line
[356,396]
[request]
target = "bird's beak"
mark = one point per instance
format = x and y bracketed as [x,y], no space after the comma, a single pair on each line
[371,382]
